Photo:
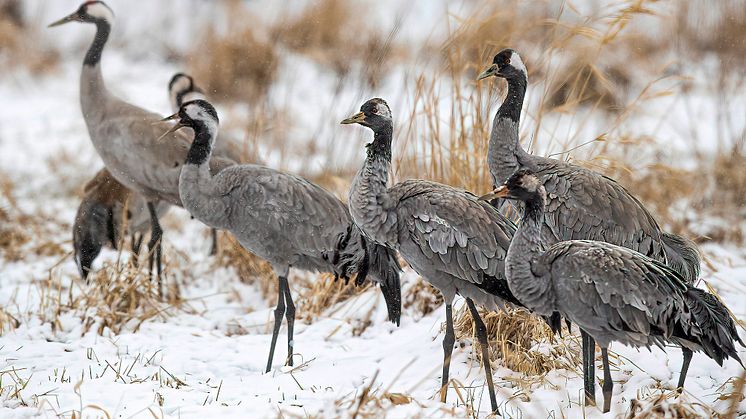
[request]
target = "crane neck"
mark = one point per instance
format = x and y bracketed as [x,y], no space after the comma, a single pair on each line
[201,148]
[380,148]
[93,56]
[527,243]
[513,104]
[94,95]
[526,272]
[369,195]
[504,152]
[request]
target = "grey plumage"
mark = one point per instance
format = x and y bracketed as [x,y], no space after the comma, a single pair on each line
[611,292]
[125,136]
[582,204]
[448,236]
[280,217]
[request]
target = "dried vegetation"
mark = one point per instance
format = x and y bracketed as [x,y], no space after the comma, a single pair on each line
[20,45]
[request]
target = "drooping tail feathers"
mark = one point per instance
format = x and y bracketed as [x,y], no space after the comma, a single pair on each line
[712,326]
[358,255]
[683,256]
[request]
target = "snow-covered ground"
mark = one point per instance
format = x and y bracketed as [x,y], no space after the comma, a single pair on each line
[208,359]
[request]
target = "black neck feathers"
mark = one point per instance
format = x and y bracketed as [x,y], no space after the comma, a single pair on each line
[381,145]
[93,57]
[513,104]
[201,147]
[534,209]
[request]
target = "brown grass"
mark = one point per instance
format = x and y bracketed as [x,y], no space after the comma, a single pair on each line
[251,269]
[320,292]
[120,297]
[237,66]
[421,299]
[20,45]
[332,33]
[18,227]
[316,293]
[513,337]
[8,322]
[117,297]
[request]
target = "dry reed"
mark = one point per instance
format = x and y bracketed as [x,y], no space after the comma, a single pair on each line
[420,298]
[522,341]
[320,292]
[240,64]
[20,44]
[251,269]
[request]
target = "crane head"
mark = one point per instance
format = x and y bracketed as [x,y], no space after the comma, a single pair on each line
[507,64]
[88,12]
[523,185]
[373,114]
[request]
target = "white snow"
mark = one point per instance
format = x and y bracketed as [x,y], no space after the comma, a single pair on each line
[208,361]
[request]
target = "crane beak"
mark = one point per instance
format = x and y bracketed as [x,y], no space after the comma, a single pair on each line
[69,18]
[166,119]
[174,128]
[358,118]
[501,192]
[491,71]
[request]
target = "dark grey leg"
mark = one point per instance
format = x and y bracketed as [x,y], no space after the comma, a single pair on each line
[448,341]
[214,246]
[482,336]
[608,386]
[136,244]
[684,368]
[279,311]
[290,317]
[154,245]
[589,368]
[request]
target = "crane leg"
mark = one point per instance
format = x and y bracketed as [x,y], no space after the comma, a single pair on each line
[608,386]
[136,244]
[589,368]
[279,311]
[154,245]
[482,336]
[214,245]
[684,368]
[448,341]
[290,317]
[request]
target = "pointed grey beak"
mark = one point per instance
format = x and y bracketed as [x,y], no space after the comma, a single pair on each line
[354,119]
[175,128]
[69,18]
[491,71]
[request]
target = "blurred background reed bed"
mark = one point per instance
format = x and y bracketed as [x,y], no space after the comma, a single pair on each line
[647,92]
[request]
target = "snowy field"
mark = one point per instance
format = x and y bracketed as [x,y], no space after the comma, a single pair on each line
[206,357]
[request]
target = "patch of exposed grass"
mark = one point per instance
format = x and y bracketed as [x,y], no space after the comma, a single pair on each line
[522,341]
[420,299]
[321,292]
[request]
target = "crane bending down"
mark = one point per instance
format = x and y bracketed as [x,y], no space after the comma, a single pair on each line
[611,292]
[581,204]
[108,212]
[124,135]
[448,236]
[282,218]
